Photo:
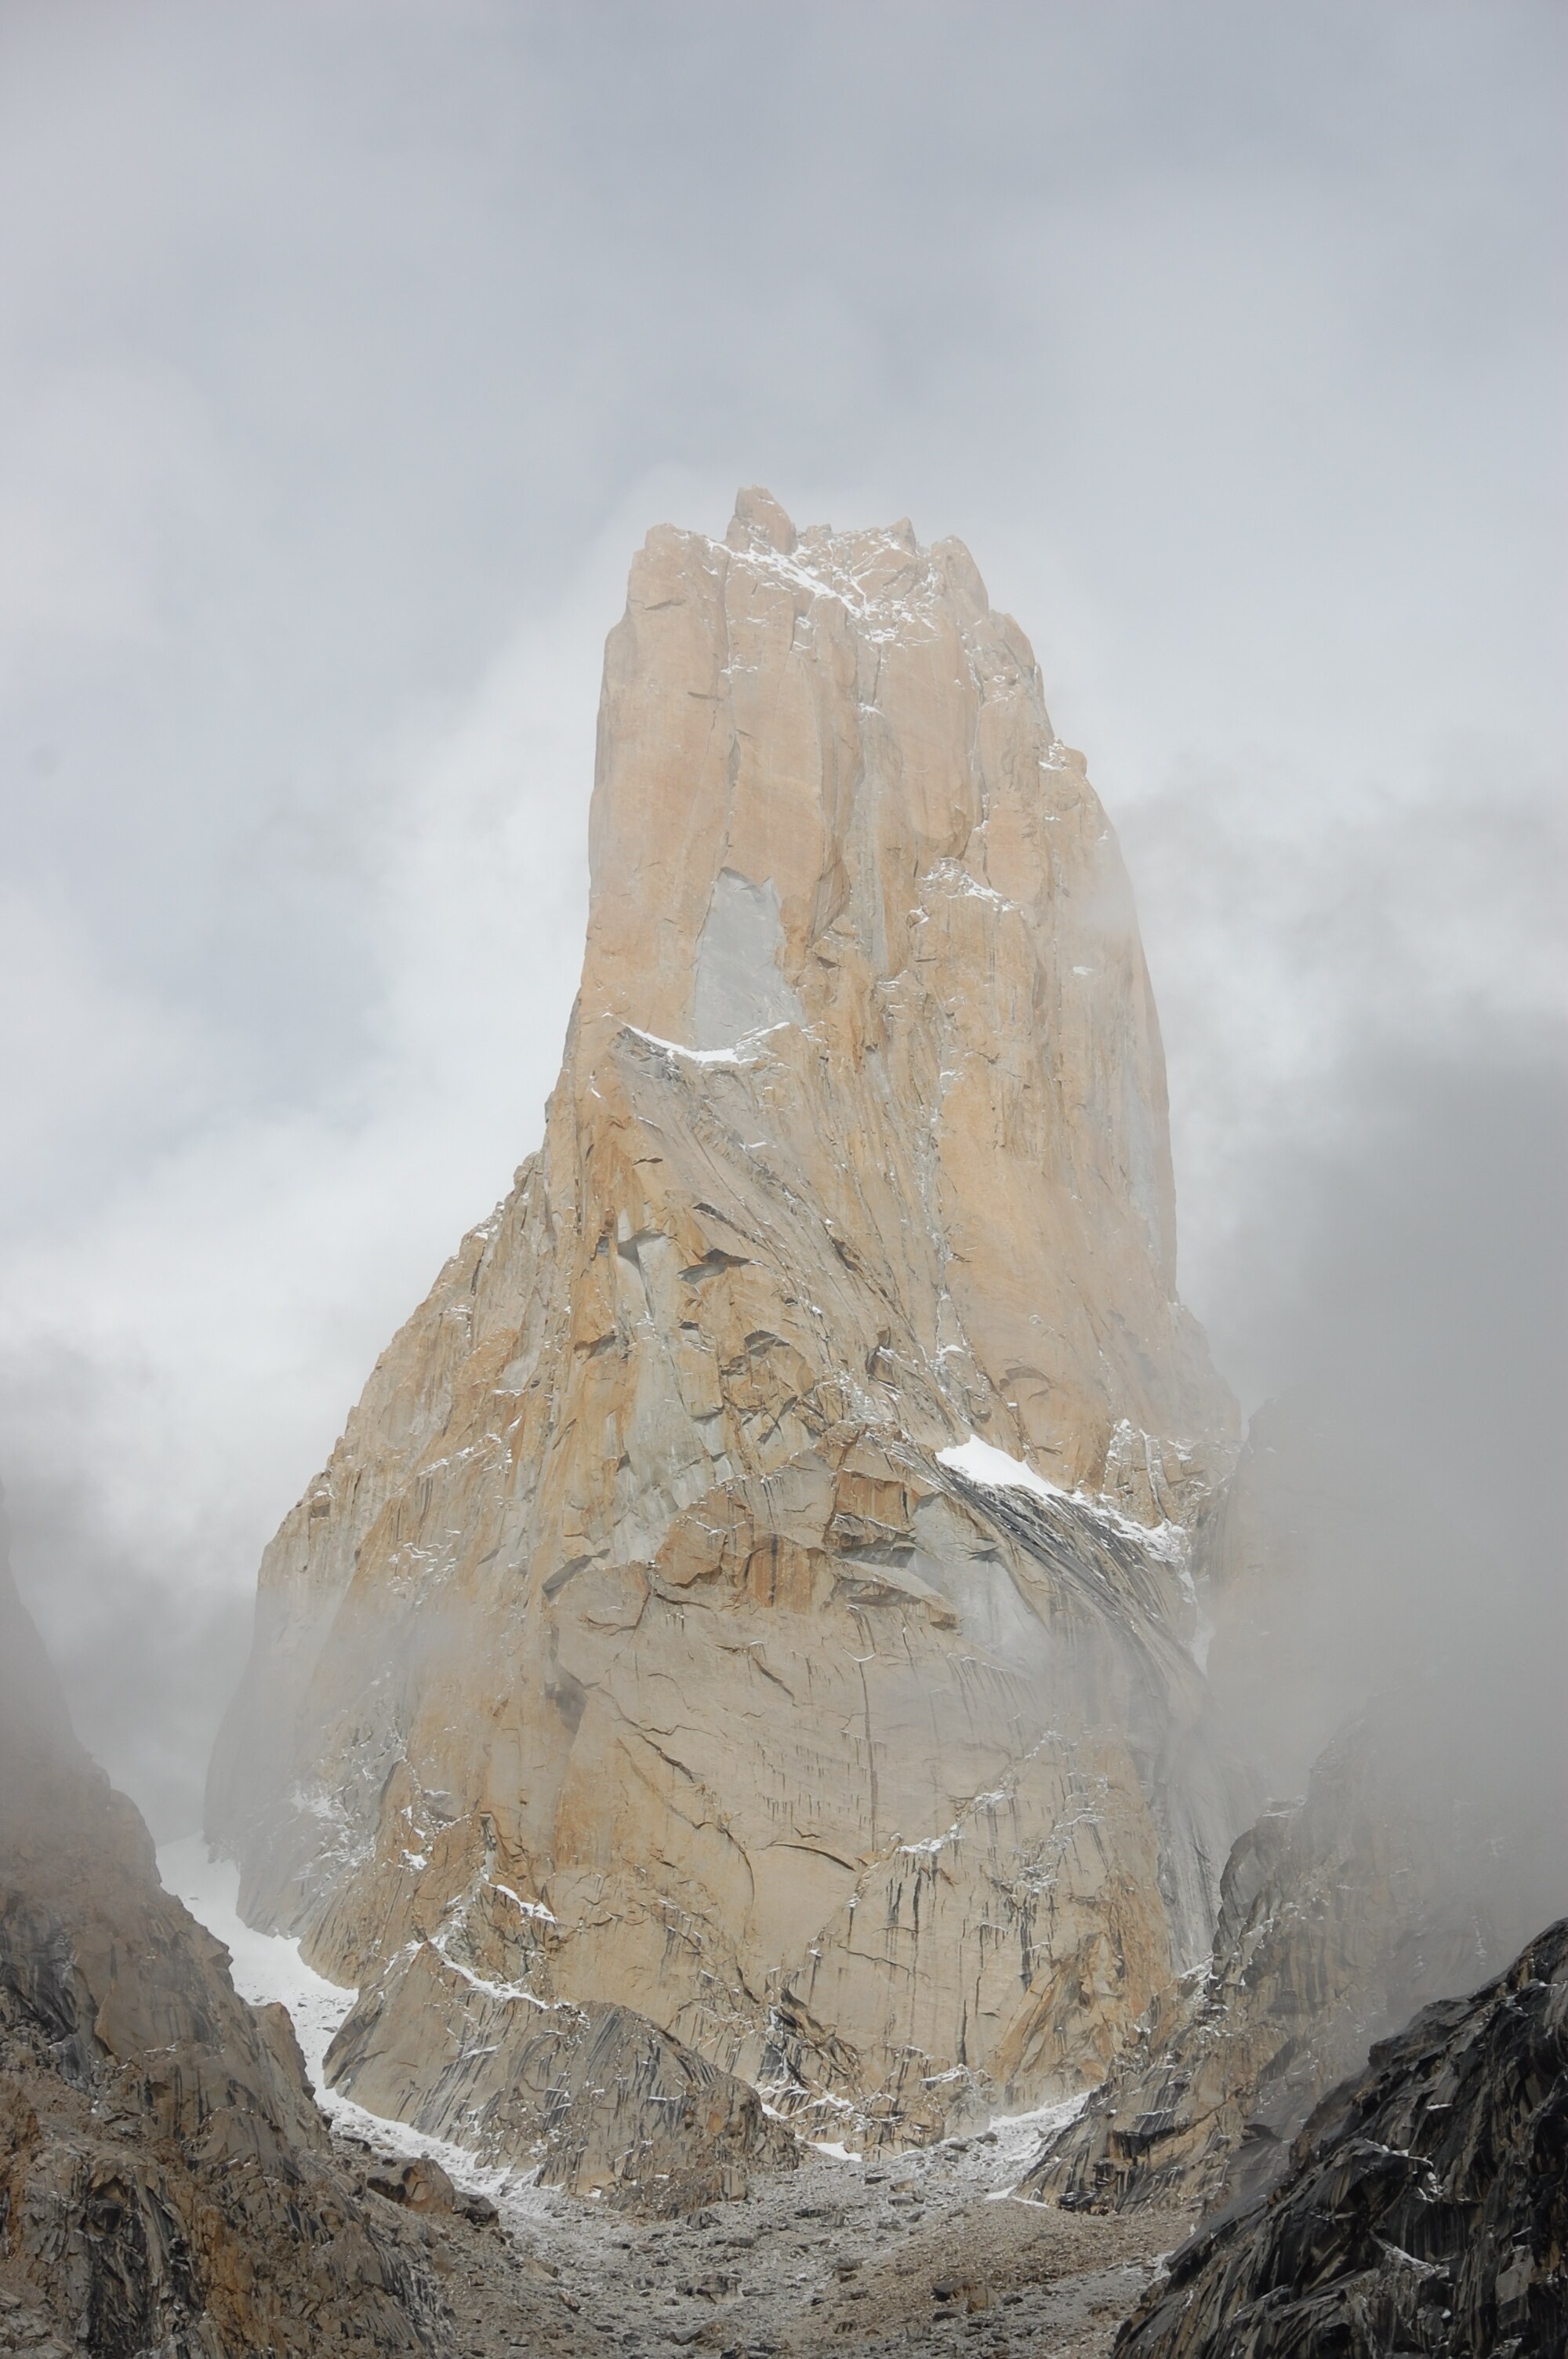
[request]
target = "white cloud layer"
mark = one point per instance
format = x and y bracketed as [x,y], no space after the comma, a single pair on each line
[352,347]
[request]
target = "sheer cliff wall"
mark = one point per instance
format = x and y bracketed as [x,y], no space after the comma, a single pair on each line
[751,1591]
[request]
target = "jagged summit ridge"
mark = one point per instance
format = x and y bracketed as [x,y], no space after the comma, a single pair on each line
[830,797]
[884,578]
[637,1646]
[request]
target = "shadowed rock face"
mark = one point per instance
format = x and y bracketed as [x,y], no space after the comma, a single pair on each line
[637,1649]
[1426,2209]
[164,2178]
[1339,1915]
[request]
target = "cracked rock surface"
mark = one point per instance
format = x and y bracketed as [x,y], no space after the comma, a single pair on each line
[748,1606]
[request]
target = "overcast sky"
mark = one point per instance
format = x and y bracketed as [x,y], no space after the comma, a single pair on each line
[348,347]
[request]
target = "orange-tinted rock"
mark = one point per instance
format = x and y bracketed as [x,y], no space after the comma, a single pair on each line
[637,1588]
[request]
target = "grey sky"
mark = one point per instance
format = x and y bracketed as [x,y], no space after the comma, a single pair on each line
[348,348]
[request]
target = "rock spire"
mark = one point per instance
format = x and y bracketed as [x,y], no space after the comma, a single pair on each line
[751,1593]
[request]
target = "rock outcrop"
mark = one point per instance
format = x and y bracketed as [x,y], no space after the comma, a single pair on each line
[752,1593]
[605,2102]
[166,2181]
[1425,2210]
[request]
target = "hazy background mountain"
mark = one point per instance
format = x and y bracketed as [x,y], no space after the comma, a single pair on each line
[351,349]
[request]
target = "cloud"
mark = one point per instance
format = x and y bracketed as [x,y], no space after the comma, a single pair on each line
[197,1286]
[354,347]
[1401,1487]
[1307,922]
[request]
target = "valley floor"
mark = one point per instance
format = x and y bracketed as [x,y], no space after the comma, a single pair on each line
[915,2253]
[925,2253]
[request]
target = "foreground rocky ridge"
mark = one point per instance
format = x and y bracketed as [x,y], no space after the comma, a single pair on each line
[655,1639]
[603,2101]
[1425,2210]
[166,2183]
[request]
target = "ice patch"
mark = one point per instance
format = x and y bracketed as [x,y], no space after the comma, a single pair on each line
[267,1968]
[954,876]
[731,1055]
[507,1992]
[1021,2139]
[982,1462]
[529,1908]
[735,1054]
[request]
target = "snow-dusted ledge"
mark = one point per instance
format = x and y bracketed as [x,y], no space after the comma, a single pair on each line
[982,1462]
[736,1054]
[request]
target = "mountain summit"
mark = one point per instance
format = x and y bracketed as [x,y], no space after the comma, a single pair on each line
[746,1621]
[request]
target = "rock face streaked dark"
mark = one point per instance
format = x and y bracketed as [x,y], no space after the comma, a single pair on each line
[1424,2210]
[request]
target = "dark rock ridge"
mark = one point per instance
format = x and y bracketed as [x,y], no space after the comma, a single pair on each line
[1426,2209]
[166,2184]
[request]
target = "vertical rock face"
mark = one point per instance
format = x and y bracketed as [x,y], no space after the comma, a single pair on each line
[751,1590]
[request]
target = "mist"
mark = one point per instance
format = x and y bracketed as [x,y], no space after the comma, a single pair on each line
[351,350]
[1397,1543]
